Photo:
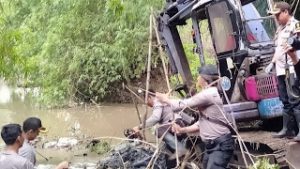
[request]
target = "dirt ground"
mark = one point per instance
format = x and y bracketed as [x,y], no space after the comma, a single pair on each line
[266,138]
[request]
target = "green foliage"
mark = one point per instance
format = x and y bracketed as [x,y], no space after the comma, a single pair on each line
[74,49]
[263,163]
[189,46]
[100,147]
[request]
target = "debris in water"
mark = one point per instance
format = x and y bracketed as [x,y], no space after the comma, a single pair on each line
[131,156]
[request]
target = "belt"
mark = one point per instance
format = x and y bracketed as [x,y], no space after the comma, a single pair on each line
[218,140]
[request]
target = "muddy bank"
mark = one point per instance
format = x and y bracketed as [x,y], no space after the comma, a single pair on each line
[118,94]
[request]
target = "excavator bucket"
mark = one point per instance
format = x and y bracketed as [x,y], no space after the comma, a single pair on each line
[293,155]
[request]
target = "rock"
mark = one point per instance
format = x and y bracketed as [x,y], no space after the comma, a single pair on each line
[72,166]
[130,156]
[83,166]
[66,142]
[45,166]
[50,144]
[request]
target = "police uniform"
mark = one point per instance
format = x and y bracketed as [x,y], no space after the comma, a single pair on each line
[297,66]
[282,64]
[162,114]
[296,86]
[282,35]
[216,136]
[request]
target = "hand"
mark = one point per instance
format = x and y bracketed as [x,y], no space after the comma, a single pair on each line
[63,165]
[136,129]
[176,128]
[162,97]
[288,48]
[269,67]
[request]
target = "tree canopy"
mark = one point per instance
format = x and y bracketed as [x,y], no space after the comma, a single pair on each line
[76,49]
[73,48]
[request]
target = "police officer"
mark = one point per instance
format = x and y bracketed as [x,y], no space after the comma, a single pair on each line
[283,14]
[162,115]
[213,126]
[294,55]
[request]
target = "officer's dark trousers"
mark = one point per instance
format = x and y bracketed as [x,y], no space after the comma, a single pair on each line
[283,95]
[291,108]
[218,152]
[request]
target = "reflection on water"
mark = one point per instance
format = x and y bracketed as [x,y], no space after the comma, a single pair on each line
[91,121]
[5,93]
[106,120]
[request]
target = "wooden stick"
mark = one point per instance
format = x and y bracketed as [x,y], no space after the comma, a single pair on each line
[161,53]
[148,71]
[137,110]
[126,87]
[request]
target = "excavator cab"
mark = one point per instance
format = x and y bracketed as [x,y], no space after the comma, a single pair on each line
[242,37]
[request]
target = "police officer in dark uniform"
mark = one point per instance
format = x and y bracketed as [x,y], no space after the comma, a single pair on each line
[293,52]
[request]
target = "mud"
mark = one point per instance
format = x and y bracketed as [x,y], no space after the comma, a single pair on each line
[131,156]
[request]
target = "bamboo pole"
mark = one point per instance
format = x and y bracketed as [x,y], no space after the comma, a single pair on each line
[161,53]
[148,71]
[137,109]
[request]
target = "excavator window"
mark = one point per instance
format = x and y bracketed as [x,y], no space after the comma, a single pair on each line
[259,26]
[222,28]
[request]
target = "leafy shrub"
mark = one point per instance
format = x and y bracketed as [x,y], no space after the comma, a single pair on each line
[263,163]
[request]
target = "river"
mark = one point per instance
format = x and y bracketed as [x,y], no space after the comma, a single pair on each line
[105,120]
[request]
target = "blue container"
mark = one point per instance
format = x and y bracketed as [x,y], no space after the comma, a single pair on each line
[270,108]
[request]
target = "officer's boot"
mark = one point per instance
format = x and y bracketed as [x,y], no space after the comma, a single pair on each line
[297,116]
[284,131]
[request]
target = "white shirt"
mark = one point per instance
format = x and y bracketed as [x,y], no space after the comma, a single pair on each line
[281,37]
[27,151]
[11,160]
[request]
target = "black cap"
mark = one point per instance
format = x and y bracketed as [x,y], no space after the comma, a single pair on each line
[33,123]
[10,133]
[209,69]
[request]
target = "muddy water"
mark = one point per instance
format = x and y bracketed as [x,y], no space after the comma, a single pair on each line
[105,120]
[85,121]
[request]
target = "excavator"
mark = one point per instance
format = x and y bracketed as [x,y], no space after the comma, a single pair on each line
[242,36]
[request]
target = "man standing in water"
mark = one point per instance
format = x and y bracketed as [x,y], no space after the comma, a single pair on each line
[13,138]
[32,126]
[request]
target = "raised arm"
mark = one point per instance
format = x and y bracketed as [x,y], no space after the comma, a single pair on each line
[199,100]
